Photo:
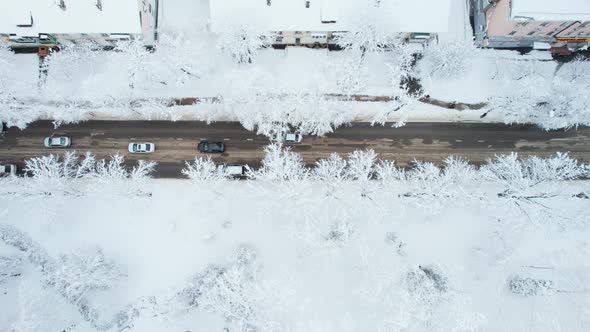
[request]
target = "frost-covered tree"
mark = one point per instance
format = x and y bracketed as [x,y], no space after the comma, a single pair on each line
[242,41]
[361,168]
[56,174]
[282,176]
[332,172]
[235,291]
[368,32]
[136,63]
[533,177]
[181,59]
[201,170]
[83,271]
[249,97]
[446,60]
[280,164]
[555,102]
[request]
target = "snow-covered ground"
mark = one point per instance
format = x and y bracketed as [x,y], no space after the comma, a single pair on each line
[504,248]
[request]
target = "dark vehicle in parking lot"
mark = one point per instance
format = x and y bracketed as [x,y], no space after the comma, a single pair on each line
[211,147]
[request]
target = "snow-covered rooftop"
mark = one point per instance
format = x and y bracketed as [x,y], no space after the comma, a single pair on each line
[79,16]
[331,15]
[551,10]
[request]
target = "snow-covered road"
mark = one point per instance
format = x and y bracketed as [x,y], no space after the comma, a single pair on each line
[176,141]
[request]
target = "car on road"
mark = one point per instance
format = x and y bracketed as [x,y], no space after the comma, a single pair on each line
[8,169]
[211,147]
[233,170]
[142,147]
[290,137]
[57,142]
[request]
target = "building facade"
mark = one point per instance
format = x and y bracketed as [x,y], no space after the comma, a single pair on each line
[559,26]
[317,23]
[47,23]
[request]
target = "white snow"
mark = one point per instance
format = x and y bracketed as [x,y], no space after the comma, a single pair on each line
[80,16]
[549,10]
[329,255]
[292,15]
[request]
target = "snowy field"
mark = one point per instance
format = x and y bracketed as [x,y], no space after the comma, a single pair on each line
[502,248]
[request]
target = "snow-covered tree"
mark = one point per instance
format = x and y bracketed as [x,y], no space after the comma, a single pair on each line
[555,102]
[446,60]
[56,174]
[135,59]
[242,41]
[280,164]
[234,290]
[201,170]
[331,172]
[181,59]
[83,271]
[368,32]
[532,177]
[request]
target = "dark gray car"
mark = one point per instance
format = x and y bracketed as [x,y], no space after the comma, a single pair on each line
[211,147]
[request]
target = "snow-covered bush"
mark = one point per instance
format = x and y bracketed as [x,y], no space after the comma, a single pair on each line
[10,267]
[16,238]
[529,286]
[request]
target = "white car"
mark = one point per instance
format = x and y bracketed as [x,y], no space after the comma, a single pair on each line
[234,170]
[142,147]
[7,169]
[291,137]
[57,142]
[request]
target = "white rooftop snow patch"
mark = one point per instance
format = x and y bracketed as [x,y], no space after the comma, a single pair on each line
[79,16]
[551,10]
[292,15]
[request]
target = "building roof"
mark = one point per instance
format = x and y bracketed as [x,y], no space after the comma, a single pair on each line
[80,16]
[292,15]
[551,10]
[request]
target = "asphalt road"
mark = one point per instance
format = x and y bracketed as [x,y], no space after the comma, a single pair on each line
[176,141]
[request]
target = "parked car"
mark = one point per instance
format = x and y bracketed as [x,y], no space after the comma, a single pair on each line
[142,147]
[211,147]
[57,142]
[234,170]
[290,137]
[7,169]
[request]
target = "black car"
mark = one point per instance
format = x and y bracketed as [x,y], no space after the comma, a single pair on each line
[211,147]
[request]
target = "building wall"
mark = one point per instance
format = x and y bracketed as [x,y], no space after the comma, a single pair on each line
[503,31]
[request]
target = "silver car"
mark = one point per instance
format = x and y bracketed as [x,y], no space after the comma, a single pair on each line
[142,147]
[290,137]
[57,142]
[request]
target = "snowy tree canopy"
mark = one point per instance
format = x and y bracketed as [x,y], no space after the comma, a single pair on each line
[557,102]
[242,41]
